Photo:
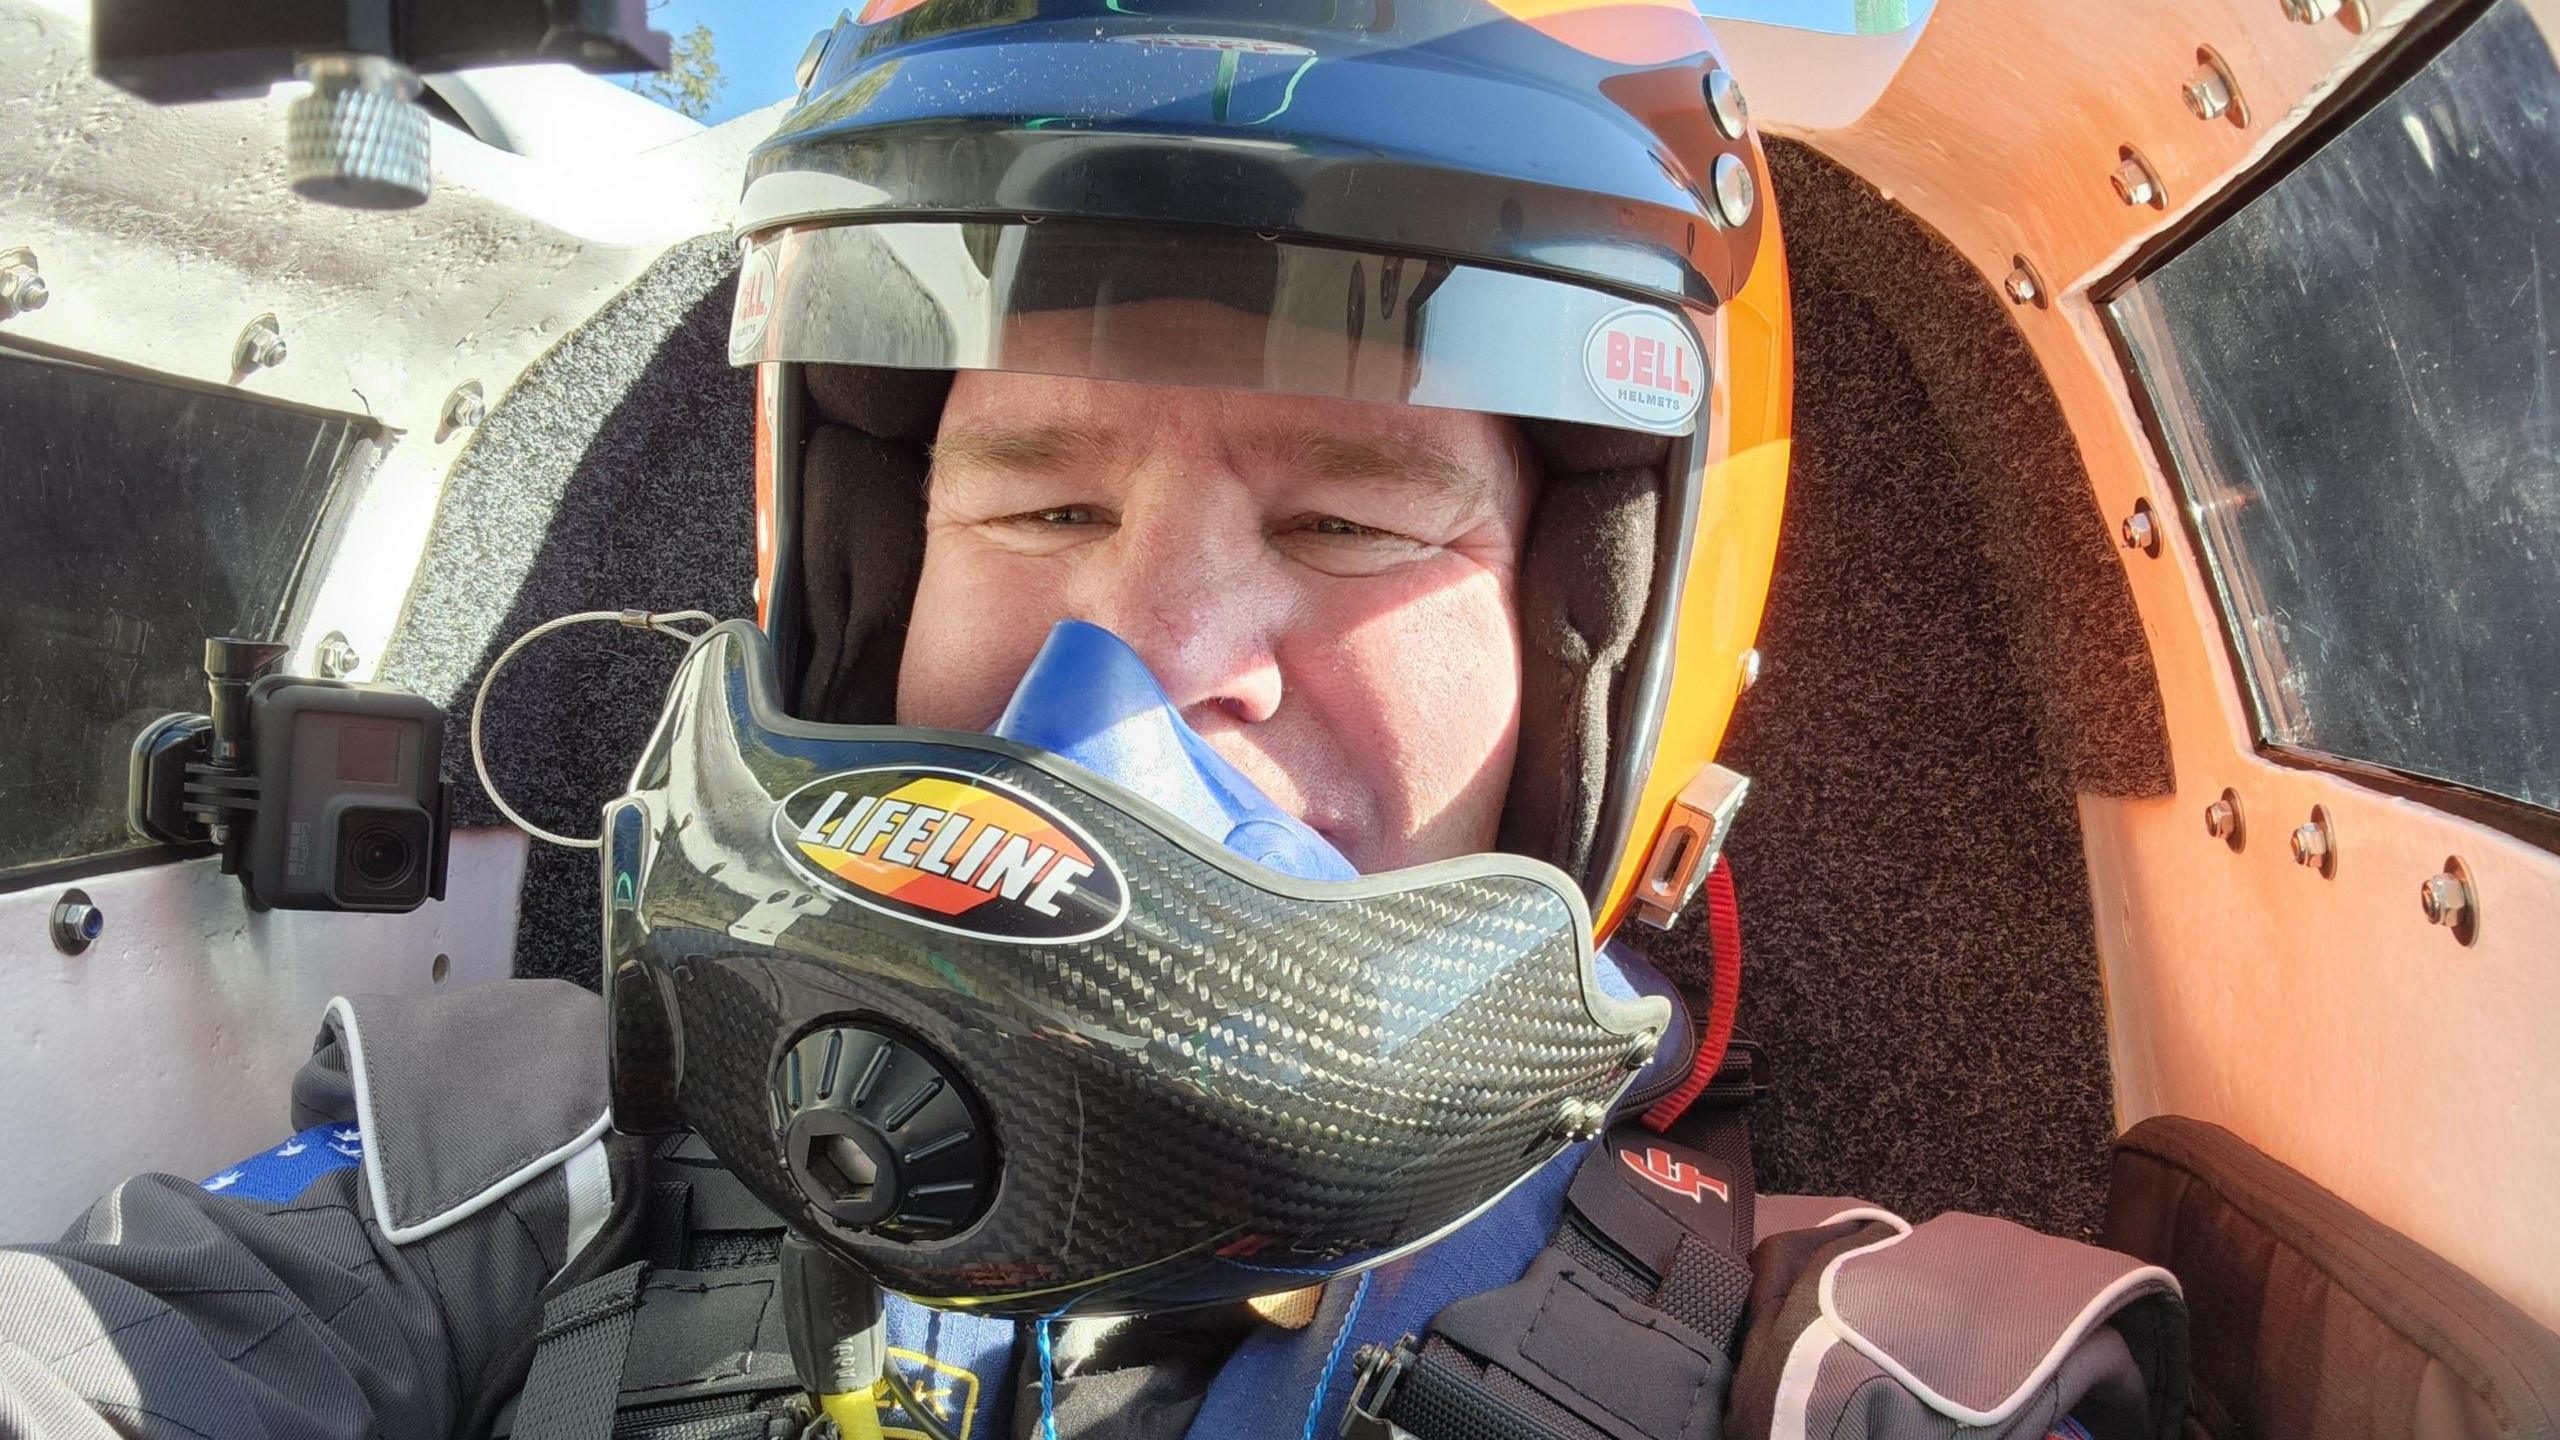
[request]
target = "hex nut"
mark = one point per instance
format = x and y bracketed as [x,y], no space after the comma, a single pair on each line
[2141,530]
[466,407]
[2315,844]
[2134,182]
[2311,12]
[22,288]
[2449,899]
[261,346]
[336,658]
[2222,820]
[2207,94]
[76,923]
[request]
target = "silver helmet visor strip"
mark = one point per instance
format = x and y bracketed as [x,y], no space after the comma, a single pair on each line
[1011,1037]
[1219,311]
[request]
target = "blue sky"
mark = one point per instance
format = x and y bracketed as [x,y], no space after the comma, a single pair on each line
[759,41]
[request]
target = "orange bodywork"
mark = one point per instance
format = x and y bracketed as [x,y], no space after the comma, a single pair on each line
[1750,430]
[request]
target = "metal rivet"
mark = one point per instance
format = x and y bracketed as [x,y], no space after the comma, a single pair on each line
[2141,530]
[336,658]
[2135,182]
[21,288]
[465,407]
[1750,668]
[2450,900]
[1724,101]
[261,346]
[2222,820]
[1735,190]
[77,924]
[2315,844]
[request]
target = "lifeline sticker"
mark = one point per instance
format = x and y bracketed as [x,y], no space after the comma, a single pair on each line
[954,851]
[754,305]
[1644,365]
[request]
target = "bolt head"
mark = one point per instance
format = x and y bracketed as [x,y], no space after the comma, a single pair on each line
[466,410]
[2445,899]
[76,923]
[2310,844]
[22,290]
[1736,192]
[2221,819]
[2207,94]
[1724,101]
[337,659]
[2141,532]
[2135,184]
[2020,287]
[1750,668]
[2311,12]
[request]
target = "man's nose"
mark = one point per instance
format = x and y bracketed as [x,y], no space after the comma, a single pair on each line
[1191,600]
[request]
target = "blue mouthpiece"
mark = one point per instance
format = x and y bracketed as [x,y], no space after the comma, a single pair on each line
[1088,697]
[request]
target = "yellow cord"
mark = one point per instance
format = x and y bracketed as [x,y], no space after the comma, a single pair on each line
[856,1412]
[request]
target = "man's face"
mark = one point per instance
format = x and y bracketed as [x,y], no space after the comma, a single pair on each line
[1324,588]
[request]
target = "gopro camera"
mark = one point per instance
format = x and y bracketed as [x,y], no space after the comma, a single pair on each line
[321,794]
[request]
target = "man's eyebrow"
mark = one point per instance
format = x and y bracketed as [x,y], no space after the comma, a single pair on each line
[1377,457]
[1039,449]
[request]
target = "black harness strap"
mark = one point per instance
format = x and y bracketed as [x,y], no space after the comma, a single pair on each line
[1622,1328]
[577,1363]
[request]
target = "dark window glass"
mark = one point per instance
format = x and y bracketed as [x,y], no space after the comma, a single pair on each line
[2357,377]
[140,518]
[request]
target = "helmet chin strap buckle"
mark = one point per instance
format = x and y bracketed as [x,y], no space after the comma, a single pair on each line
[1691,840]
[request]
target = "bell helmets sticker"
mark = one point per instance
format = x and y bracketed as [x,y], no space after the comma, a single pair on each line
[952,851]
[754,304]
[1645,366]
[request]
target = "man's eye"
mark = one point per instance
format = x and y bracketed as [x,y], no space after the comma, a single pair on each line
[1059,515]
[1336,525]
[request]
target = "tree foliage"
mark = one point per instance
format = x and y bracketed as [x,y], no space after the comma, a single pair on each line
[692,80]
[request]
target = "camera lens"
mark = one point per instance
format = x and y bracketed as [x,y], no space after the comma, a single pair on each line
[381,855]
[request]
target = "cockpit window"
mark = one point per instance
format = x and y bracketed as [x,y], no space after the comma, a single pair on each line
[140,517]
[2357,375]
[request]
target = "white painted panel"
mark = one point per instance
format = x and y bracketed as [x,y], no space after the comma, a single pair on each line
[171,1044]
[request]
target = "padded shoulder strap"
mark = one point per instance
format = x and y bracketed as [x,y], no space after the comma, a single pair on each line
[1622,1326]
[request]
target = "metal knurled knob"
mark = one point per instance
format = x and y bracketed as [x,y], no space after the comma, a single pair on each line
[359,138]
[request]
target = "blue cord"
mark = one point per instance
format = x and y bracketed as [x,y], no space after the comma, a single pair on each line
[1324,1382]
[1048,1383]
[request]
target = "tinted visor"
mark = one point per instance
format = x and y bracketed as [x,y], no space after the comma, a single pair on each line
[1219,311]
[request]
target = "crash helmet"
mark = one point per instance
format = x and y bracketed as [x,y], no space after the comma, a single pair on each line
[1540,209]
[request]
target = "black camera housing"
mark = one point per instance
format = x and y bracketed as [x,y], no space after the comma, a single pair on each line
[351,810]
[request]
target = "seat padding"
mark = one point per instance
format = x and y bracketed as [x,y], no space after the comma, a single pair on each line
[2311,1320]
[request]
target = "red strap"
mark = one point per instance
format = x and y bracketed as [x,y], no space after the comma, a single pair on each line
[1724,930]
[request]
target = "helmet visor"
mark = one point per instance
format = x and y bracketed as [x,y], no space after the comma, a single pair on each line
[1219,311]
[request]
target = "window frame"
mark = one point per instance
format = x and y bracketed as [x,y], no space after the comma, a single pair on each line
[2418,46]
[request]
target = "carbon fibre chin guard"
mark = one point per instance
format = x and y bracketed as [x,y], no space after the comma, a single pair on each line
[1010,1037]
